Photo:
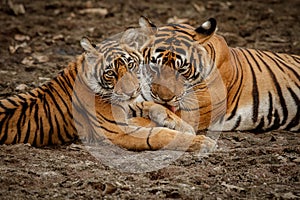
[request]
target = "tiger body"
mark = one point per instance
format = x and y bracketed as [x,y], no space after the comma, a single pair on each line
[195,73]
[29,118]
[273,82]
[95,99]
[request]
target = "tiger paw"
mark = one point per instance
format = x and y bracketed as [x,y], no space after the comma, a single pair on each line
[168,119]
[202,144]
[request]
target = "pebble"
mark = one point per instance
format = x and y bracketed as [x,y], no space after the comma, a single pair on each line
[21,87]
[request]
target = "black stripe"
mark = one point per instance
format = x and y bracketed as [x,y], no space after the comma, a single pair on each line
[260,126]
[6,122]
[186,33]
[29,121]
[54,100]
[109,129]
[41,132]
[270,114]
[67,108]
[135,130]
[296,120]
[212,59]
[237,94]
[255,93]
[27,133]
[274,58]
[13,102]
[187,43]
[22,119]
[20,97]
[112,121]
[178,26]
[36,120]
[237,123]
[162,35]
[81,110]
[180,51]
[59,135]
[148,139]
[132,111]
[67,133]
[295,58]
[48,111]
[276,123]
[279,91]
[61,83]
[279,61]
[254,59]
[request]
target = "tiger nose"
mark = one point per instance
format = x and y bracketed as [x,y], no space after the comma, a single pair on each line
[163,92]
[128,84]
[132,91]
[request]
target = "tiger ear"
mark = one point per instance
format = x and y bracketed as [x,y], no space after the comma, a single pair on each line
[206,30]
[137,37]
[132,39]
[147,26]
[91,53]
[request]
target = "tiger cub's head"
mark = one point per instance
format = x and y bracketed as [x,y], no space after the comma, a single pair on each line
[176,63]
[110,70]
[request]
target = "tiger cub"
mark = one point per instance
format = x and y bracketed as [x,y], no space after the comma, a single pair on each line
[95,97]
[193,71]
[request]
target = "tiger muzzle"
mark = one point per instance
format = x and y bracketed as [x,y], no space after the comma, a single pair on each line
[166,88]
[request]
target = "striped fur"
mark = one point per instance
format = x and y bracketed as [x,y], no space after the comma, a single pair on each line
[94,99]
[194,71]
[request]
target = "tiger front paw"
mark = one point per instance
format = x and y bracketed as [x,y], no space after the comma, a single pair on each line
[166,118]
[203,144]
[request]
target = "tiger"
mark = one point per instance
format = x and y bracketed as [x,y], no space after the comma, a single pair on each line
[96,97]
[193,71]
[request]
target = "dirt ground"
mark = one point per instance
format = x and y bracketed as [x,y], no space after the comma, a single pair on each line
[40,39]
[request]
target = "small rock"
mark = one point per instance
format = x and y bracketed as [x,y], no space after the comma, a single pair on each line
[228,186]
[49,173]
[4,72]
[199,8]
[176,20]
[40,58]
[27,61]
[21,87]
[18,9]
[97,11]
[297,160]
[58,37]
[44,79]
[289,195]
[206,186]
[13,49]
[21,38]
[109,189]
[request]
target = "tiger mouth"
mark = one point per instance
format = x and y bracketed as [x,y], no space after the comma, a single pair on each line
[171,108]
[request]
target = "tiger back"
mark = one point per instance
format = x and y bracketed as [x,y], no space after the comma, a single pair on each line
[192,70]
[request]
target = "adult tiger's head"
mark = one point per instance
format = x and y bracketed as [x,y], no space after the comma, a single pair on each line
[179,68]
[110,69]
[176,62]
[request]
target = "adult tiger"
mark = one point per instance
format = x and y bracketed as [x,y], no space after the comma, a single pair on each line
[92,98]
[192,70]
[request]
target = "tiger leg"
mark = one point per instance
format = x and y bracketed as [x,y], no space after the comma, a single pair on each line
[164,117]
[156,138]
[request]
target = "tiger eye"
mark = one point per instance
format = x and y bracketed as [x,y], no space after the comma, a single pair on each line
[110,73]
[131,65]
[153,60]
